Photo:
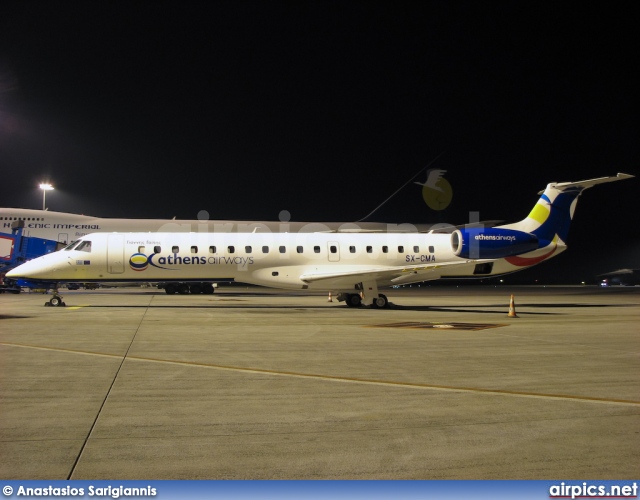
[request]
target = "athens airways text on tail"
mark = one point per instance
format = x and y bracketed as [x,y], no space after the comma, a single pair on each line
[354,265]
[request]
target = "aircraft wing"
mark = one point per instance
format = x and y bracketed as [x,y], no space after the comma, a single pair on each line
[393,275]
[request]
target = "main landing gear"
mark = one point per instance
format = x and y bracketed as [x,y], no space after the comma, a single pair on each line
[186,288]
[381,302]
[368,296]
[354,300]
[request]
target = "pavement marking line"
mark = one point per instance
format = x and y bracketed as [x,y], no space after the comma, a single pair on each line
[391,383]
[59,349]
[354,380]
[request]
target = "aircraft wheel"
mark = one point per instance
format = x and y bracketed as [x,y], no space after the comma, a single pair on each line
[207,289]
[170,289]
[183,289]
[381,302]
[196,289]
[353,300]
[55,301]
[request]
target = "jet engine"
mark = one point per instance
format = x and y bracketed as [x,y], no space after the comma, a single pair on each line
[491,243]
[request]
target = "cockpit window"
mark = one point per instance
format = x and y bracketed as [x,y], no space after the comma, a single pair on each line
[85,246]
[70,245]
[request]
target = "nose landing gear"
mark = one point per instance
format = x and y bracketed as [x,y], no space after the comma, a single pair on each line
[55,301]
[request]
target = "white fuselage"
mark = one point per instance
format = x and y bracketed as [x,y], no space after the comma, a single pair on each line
[321,261]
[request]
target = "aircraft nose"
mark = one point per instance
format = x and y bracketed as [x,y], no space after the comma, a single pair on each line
[22,271]
[32,269]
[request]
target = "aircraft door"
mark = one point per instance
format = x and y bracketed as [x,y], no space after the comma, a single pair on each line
[115,254]
[333,249]
[63,238]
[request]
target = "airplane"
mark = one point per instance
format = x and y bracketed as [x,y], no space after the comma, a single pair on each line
[47,231]
[352,265]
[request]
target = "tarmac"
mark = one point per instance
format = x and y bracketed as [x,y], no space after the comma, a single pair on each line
[257,384]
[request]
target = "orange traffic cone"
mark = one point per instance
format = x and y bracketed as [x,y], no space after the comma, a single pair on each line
[512,309]
[329,299]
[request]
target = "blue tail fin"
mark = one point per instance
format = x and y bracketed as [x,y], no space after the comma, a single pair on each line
[552,215]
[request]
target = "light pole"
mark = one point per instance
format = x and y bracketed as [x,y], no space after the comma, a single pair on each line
[45,187]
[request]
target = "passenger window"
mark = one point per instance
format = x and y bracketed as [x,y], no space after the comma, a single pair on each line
[282,249]
[157,249]
[369,249]
[352,249]
[194,249]
[316,249]
[299,249]
[231,249]
[431,249]
[175,249]
[141,249]
[385,249]
[212,249]
[416,249]
[265,249]
[333,249]
[400,249]
[247,249]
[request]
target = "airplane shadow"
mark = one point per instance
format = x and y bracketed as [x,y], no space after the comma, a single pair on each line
[477,309]
[222,301]
[467,309]
[502,308]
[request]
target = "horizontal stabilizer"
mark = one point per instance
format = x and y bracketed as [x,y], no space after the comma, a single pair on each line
[561,186]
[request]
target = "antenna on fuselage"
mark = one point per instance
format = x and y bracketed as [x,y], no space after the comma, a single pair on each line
[400,188]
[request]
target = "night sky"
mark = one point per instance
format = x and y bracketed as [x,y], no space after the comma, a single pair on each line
[161,109]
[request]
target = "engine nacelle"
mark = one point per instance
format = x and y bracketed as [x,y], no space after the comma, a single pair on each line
[491,243]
